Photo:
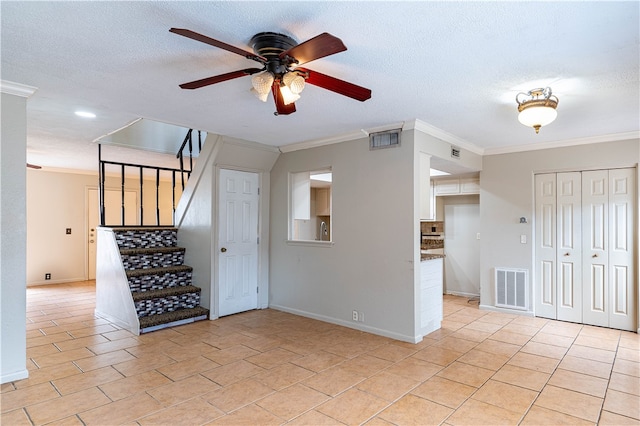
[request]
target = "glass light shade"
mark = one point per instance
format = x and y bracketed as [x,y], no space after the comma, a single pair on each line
[262,82]
[294,81]
[262,96]
[537,116]
[288,96]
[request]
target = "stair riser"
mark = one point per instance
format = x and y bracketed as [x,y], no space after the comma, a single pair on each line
[155,260]
[146,239]
[167,304]
[157,282]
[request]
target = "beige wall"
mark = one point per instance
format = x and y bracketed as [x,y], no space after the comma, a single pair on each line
[370,266]
[507,193]
[58,200]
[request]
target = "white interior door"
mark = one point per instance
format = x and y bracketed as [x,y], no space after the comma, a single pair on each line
[622,291]
[237,242]
[113,215]
[568,228]
[608,247]
[545,236]
[595,215]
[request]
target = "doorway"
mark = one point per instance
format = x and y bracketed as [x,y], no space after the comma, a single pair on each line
[113,212]
[238,204]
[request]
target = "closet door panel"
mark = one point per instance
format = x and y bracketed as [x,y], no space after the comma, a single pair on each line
[595,217]
[622,291]
[569,270]
[545,237]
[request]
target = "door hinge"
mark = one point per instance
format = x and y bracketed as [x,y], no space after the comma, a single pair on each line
[257,289]
[258,191]
[258,240]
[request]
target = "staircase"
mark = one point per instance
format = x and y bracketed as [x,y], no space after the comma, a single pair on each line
[160,284]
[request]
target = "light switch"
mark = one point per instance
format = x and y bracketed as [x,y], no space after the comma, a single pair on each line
[523,239]
[478,236]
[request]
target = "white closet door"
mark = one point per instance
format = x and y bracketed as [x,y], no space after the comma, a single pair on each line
[595,216]
[622,292]
[568,226]
[545,232]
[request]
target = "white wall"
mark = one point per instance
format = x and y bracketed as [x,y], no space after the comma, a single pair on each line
[506,191]
[13,228]
[370,265]
[58,200]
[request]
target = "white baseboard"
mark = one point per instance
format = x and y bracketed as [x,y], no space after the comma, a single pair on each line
[16,375]
[506,311]
[47,282]
[349,324]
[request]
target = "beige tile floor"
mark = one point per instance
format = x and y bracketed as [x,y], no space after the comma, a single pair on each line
[269,367]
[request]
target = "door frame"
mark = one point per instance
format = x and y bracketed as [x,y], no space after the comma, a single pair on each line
[262,232]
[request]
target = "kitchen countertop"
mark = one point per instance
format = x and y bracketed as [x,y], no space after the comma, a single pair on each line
[424,257]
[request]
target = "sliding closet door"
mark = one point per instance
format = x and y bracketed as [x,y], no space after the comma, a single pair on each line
[569,252]
[545,233]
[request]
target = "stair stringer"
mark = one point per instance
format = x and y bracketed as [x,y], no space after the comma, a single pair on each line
[113,295]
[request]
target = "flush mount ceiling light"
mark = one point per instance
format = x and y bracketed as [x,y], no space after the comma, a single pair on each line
[537,107]
[85,114]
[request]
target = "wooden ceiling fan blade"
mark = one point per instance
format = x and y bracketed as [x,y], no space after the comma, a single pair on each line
[33,166]
[219,78]
[318,47]
[336,85]
[217,43]
[281,108]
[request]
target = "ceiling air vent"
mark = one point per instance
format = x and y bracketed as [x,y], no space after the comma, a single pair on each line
[388,139]
[455,151]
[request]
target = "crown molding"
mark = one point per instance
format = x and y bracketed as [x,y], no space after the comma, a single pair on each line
[564,143]
[17,89]
[445,136]
[324,141]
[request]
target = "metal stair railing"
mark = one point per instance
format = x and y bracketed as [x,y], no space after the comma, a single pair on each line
[141,168]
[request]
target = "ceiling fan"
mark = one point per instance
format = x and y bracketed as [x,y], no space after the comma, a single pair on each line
[280,57]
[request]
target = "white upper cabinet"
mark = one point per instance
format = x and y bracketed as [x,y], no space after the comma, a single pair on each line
[457,186]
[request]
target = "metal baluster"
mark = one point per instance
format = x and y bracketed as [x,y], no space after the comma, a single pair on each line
[173,196]
[157,196]
[122,193]
[141,200]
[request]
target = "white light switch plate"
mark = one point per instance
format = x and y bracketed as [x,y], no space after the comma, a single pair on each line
[523,239]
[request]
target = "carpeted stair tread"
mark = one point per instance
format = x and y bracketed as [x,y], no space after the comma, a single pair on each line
[159,271]
[155,320]
[164,292]
[149,250]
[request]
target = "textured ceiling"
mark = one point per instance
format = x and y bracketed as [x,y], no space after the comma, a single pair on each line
[456,66]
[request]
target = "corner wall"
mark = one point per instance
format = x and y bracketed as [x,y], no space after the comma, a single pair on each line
[370,265]
[13,226]
[507,193]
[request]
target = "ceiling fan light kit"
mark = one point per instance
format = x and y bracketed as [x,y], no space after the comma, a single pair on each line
[537,107]
[280,57]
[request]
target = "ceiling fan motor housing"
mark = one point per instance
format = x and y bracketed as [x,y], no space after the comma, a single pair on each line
[270,45]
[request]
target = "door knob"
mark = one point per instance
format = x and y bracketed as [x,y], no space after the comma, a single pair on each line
[91,241]
[566,254]
[223,249]
[595,255]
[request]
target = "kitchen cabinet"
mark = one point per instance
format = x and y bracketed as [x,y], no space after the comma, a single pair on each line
[457,186]
[323,202]
[431,289]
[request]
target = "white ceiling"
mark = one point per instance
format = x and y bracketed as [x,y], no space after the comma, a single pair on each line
[456,66]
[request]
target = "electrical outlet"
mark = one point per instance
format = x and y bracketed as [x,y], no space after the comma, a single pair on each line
[354,315]
[47,276]
[361,316]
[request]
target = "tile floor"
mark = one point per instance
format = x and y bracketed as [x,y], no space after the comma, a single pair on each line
[269,367]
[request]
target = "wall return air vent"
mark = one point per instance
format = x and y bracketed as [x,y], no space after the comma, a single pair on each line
[455,152]
[387,139]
